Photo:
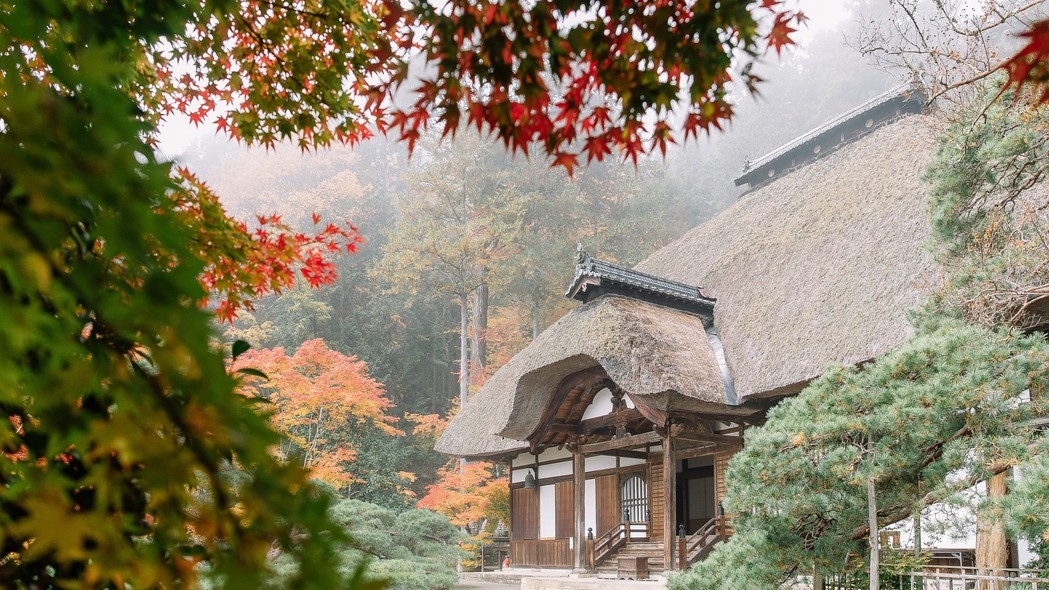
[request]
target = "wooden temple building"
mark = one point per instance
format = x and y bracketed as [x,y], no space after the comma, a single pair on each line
[617,421]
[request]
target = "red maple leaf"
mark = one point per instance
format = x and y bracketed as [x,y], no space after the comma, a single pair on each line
[779,35]
[1031,62]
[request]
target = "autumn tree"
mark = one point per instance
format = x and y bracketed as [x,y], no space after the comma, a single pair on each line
[320,399]
[475,497]
[121,416]
[449,238]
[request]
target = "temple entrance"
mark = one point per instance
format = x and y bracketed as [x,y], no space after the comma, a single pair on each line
[633,495]
[696,500]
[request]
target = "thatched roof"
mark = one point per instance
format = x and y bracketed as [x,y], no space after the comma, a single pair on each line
[819,267]
[816,268]
[648,350]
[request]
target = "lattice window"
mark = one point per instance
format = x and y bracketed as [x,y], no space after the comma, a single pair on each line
[634,498]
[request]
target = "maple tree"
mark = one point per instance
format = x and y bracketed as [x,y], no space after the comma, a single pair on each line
[319,396]
[1030,65]
[471,495]
[571,77]
[242,265]
[122,419]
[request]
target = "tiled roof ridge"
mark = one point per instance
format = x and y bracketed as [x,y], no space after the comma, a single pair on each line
[863,108]
[588,266]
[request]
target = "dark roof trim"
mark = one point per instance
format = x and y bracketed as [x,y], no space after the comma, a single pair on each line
[902,100]
[594,278]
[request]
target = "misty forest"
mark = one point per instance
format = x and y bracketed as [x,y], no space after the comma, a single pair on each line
[462,229]
[232,368]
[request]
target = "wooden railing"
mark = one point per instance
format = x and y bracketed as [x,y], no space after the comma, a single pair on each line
[697,546]
[607,544]
[934,577]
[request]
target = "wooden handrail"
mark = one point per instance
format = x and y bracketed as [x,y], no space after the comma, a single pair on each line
[607,544]
[698,545]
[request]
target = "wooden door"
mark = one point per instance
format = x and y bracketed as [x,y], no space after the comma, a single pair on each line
[564,511]
[608,513]
[524,513]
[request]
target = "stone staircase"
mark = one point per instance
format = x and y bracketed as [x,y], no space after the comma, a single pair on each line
[653,550]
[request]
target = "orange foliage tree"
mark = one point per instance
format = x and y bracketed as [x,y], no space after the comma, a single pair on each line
[319,397]
[473,496]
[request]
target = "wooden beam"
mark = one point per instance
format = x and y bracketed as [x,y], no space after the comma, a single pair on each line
[565,428]
[579,502]
[625,453]
[680,432]
[655,416]
[720,440]
[613,419]
[580,379]
[626,442]
[669,504]
[693,452]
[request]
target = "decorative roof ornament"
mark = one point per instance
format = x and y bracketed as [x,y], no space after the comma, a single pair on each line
[594,278]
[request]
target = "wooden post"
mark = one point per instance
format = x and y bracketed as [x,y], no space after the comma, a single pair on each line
[669,503]
[579,501]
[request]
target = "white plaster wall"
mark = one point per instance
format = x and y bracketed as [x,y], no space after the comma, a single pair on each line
[547,518]
[628,461]
[590,506]
[953,526]
[946,526]
[598,462]
[519,467]
[601,405]
[553,454]
[555,470]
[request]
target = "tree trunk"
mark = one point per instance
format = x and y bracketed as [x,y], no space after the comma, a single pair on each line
[872,519]
[535,321]
[917,518]
[992,549]
[463,360]
[479,334]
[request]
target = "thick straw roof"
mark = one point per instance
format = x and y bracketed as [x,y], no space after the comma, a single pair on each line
[820,266]
[646,349]
[816,268]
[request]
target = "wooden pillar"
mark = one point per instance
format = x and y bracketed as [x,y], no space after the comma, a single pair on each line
[669,503]
[579,500]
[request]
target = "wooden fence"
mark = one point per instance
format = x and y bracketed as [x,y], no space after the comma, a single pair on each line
[936,578]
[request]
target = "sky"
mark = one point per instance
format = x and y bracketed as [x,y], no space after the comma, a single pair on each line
[177,133]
